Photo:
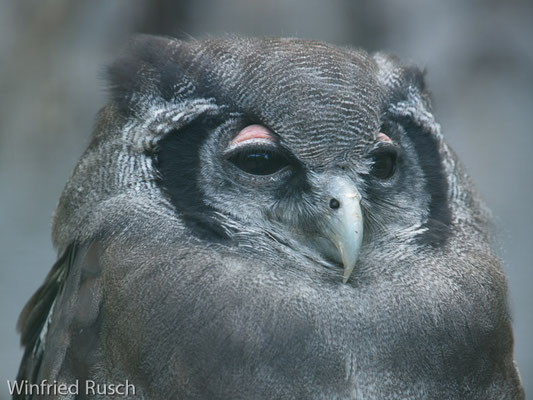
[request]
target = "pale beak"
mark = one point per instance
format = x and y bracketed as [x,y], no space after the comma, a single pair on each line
[344,224]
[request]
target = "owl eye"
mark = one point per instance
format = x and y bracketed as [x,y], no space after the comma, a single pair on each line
[258,161]
[384,164]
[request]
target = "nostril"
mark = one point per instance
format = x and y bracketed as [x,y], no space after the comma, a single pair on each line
[334,204]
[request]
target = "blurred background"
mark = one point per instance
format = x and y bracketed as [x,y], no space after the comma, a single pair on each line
[479,61]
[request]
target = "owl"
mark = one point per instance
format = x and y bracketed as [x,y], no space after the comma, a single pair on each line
[270,218]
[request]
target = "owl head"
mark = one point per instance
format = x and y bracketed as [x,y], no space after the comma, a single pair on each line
[331,151]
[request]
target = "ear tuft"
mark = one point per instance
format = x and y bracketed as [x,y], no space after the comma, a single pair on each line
[148,70]
[398,77]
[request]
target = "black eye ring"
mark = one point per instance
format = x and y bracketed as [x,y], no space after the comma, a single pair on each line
[384,163]
[258,160]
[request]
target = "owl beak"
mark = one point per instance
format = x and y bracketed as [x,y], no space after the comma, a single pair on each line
[344,225]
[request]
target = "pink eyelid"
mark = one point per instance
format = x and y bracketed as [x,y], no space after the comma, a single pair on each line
[252,132]
[383,138]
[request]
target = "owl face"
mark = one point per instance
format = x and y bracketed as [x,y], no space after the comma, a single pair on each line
[312,157]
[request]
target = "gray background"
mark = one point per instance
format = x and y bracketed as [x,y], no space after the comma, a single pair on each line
[478,54]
